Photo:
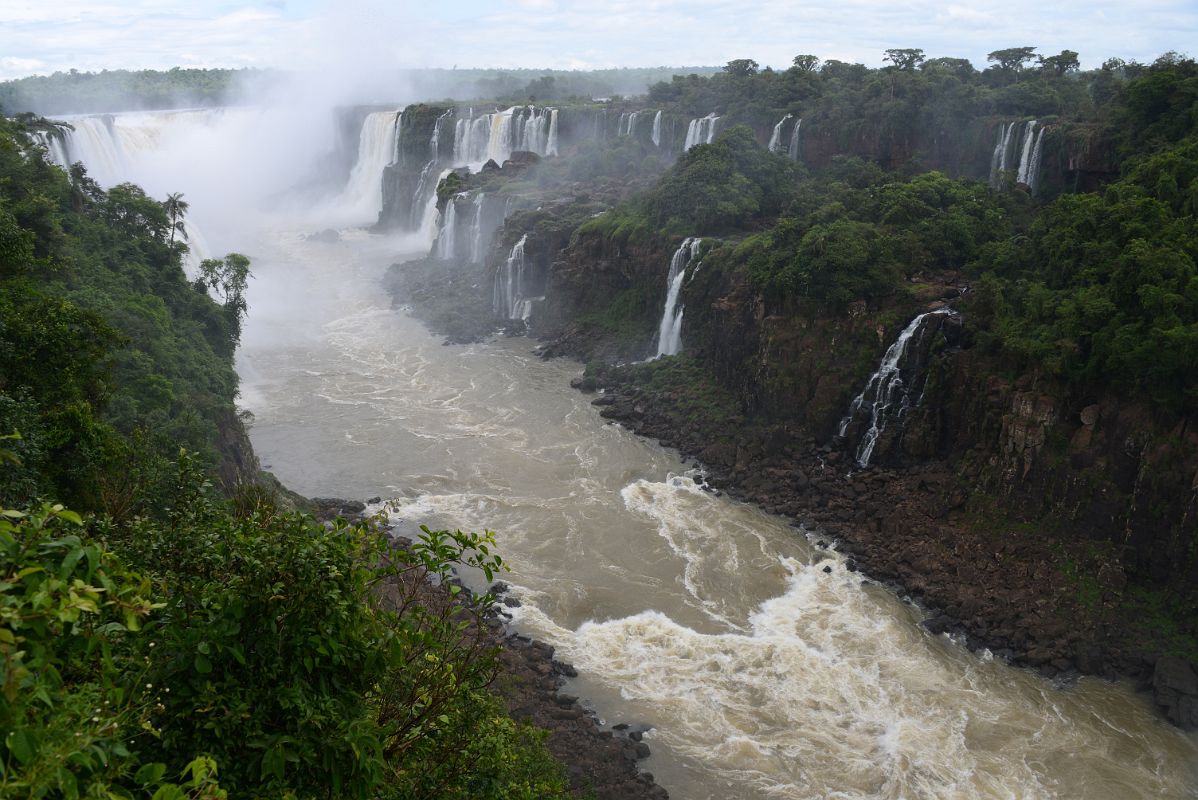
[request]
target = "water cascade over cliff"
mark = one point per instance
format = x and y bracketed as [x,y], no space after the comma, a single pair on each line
[793,149]
[656,134]
[775,145]
[669,332]
[510,301]
[895,387]
[701,131]
[376,149]
[1026,139]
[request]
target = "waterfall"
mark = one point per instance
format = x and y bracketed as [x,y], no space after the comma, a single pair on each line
[376,149]
[775,145]
[56,148]
[429,217]
[448,231]
[508,298]
[793,149]
[700,131]
[397,155]
[1029,159]
[534,132]
[434,142]
[551,145]
[656,136]
[421,194]
[887,395]
[669,334]
[476,229]
[627,123]
[998,161]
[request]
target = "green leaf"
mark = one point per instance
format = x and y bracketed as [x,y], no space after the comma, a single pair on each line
[150,774]
[23,745]
[202,664]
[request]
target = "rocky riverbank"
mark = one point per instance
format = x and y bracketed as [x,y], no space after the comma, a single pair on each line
[1028,597]
[601,762]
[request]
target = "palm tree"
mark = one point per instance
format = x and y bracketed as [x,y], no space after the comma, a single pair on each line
[176,208]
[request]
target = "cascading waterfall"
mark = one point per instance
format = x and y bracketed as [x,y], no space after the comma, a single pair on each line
[551,145]
[430,217]
[775,145]
[793,149]
[434,142]
[627,123]
[56,148]
[376,149]
[669,334]
[420,197]
[448,231]
[887,395]
[656,135]
[999,162]
[1029,161]
[700,131]
[509,301]
[476,229]
[1027,139]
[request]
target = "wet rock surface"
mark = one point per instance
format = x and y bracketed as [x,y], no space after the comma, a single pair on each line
[1013,591]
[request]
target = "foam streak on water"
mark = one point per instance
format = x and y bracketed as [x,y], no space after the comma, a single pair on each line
[763,675]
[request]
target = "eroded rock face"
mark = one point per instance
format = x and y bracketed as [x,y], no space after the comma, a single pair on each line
[1025,430]
[1175,690]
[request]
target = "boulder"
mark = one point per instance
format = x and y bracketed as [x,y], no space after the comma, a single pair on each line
[1175,690]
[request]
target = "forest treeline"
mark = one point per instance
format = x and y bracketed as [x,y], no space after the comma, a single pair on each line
[167,634]
[1094,288]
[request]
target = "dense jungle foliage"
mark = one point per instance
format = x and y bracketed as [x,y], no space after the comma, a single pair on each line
[77,92]
[1092,288]
[163,637]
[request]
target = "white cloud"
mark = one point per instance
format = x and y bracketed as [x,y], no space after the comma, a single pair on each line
[40,36]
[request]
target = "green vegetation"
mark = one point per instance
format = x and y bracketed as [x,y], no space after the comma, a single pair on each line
[77,92]
[110,359]
[167,640]
[297,659]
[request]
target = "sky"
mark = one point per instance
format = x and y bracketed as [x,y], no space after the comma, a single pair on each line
[42,36]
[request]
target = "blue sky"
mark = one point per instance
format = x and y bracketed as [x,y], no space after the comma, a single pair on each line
[42,36]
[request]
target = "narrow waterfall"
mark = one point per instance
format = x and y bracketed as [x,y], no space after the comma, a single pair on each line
[890,391]
[376,149]
[424,189]
[669,334]
[627,123]
[999,161]
[434,142]
[775,145]
[476,228]
[397,153]
[551,145]
[429,216]
[793,149]
[656,135]
[444,246]
[508,297]
[1029,159]
[700,131]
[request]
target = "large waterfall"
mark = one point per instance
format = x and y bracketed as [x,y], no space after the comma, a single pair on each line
[775,145]
[669,332]
[888,394]
[700,131]
[656,135]
[376,149]
[445,238]
[1026,139]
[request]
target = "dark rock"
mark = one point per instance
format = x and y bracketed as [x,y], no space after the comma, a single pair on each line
[1175,690]
[512,602]
[374,500]
[828,570]
[938,624]
[604,400]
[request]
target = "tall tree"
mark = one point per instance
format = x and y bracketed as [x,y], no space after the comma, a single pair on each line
[176,208]
[907,58]
[1012,59]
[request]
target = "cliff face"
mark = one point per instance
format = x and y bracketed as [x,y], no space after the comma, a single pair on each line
[1095,494]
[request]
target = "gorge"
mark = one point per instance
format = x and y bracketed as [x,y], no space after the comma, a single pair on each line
[765,644]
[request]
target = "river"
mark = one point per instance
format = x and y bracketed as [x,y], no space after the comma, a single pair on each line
[765,667]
